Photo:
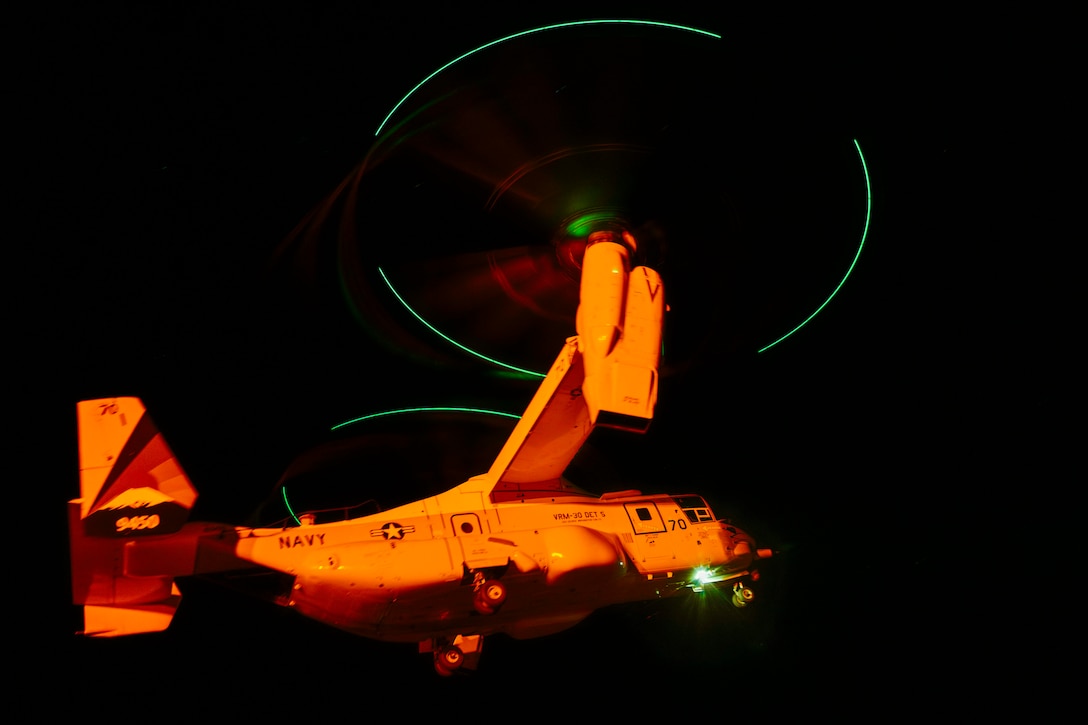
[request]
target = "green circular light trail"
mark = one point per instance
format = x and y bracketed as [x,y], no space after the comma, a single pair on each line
[861,157]
[868,211]
[428,409]
[399,411]
[447,338]
[853,263]
[529,32]
[287,504]
[583,224]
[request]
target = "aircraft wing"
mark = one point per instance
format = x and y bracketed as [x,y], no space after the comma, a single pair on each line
[606,375]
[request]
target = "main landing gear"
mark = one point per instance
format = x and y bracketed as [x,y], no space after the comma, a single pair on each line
[452,656]
[448,659]
[489,594]
[462,652]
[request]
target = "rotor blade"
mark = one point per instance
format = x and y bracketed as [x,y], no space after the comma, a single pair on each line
[471,198]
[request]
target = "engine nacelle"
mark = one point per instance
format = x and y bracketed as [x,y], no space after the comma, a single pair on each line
[619,331]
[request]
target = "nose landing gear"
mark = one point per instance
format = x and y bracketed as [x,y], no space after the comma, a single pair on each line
[742,595]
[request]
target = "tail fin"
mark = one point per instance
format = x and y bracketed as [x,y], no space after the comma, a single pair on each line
[131,488]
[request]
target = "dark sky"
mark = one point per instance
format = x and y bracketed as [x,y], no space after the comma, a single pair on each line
[184,148]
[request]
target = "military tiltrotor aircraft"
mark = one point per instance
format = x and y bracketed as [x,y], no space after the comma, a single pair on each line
[517,549]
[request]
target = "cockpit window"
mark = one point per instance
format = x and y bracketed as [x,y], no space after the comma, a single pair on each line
[695,508]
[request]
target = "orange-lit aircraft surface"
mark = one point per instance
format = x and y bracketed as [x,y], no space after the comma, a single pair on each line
[516,550]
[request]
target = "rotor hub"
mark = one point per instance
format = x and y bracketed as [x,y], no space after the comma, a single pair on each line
[586,229]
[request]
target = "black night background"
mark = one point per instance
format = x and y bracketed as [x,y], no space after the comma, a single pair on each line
[178,149]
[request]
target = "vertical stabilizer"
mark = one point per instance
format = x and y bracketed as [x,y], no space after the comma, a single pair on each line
[134,497]
[130,482]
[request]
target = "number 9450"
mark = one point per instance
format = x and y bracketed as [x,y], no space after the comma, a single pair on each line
[137,523]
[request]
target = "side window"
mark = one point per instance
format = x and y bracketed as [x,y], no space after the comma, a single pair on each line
[695,508]
[645,518]
[465,524]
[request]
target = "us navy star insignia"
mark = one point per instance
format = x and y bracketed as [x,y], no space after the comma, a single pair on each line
[392,531]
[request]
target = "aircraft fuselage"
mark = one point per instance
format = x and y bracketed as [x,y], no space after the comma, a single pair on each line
[395,574]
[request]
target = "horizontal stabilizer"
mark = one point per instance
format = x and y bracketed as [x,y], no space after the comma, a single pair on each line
[101,621]
[119,594]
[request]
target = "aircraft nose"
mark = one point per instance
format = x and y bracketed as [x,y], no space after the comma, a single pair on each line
[741,548]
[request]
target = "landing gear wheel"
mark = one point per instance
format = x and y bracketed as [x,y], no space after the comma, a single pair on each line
[490,596]
[742,595]
[448,660]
